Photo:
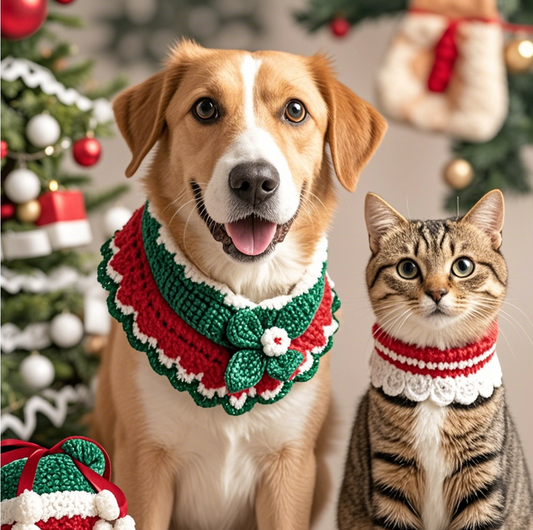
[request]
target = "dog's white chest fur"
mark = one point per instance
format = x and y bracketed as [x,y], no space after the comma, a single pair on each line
[219,455]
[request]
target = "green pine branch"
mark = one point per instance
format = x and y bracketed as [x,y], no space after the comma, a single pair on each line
[96,201]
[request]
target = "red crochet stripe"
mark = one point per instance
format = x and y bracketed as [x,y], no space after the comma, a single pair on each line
[76,522]
[155,318]
[434,355]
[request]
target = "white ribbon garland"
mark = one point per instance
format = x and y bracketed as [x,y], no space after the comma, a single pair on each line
[33,337]
[35,75]
[55,413]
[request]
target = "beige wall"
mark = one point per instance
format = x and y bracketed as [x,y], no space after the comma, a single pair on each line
[405,171]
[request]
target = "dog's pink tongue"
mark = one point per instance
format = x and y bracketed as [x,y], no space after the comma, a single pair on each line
[251,235]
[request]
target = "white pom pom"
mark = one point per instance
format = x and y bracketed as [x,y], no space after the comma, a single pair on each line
[23,526]
[29,508]
[107,505]
[102,525]
[125,523]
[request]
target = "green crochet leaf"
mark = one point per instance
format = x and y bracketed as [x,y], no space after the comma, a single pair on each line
[245,330]
[282,367]
[245,369]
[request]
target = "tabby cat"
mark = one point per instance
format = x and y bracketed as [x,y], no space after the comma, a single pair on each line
[433,446]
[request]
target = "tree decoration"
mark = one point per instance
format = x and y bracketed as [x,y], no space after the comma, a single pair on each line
[22,18]
[37,371]
[115,218]
[22,185]
[458,174]
[66,330]
[29,212]
[3,149]
[519,55]
[86,151]
[43,130]
[26,244]
[8,210]
[34,336]
[339,26]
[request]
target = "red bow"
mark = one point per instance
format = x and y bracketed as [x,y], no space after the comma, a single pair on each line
[16,449]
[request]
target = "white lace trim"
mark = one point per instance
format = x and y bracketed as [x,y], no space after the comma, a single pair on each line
[463,389]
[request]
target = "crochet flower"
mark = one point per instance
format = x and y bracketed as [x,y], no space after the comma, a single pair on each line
[260,350]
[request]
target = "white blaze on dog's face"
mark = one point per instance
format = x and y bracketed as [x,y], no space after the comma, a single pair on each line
[241,154]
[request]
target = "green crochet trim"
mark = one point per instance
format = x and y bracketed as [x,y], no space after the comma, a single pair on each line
[56,472]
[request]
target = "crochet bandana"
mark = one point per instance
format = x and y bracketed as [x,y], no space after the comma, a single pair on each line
[458,375]
[219,346]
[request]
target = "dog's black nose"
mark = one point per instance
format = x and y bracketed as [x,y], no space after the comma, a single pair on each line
[254,182]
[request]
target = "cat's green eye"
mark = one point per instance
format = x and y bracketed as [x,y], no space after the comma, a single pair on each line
[463,267]
[407,269]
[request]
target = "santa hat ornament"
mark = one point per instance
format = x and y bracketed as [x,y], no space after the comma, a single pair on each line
[66,486]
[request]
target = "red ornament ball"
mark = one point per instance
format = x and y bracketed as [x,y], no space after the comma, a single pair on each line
[339,26]
[3,149]
[86,151]
[22,18]
[8,210]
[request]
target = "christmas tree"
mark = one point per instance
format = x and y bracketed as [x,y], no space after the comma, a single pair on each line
[53,319]
[477,166]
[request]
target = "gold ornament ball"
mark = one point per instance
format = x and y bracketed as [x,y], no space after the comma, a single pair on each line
[458,174]
[519,55]
[94,344]
[29,212]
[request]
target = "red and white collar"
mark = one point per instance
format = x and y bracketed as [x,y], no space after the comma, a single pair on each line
[458,375]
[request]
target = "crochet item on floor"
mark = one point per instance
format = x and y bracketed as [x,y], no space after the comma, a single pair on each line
[445,69]
[219,346]
[66,487]
[457,375]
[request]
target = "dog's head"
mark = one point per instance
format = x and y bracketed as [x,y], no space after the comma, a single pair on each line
[241,158]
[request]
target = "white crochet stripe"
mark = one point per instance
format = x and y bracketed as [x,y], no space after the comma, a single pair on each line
[458,365]
[310,278]
[463,389]
[182,374]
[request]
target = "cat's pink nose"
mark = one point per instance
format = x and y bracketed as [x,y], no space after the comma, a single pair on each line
[437,294]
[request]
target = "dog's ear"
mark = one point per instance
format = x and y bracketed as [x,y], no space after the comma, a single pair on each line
[355,128]
[140,110]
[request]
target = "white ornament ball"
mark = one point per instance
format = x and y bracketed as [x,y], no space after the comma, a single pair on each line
[115,218]
[22,185]
[43,130]
[66,330]
[37,372]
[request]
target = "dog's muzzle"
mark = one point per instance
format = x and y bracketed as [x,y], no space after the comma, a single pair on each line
[254,182]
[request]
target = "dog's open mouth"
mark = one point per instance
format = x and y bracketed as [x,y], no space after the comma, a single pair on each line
[247,239]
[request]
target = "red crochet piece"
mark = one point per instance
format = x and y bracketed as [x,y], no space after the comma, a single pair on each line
[445,57]
[76,522]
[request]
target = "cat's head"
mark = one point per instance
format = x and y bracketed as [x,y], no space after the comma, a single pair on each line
[436,283]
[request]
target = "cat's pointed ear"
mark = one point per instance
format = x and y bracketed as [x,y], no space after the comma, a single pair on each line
[487,214]
[380,217]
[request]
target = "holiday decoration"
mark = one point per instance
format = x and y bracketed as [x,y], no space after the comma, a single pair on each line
[115,218]
[86,151]
[64,218]
[66,486]
[22,185]
[458,174]
[420,373]
[29,212]
[8,210]
[34,336]
[37,371]
[441,57]
[456,92]
[3,149]
[22,18]
[95,315]
[217,345]
[66,330]
[43,130]
[27,244]
[339,26]
[519,55]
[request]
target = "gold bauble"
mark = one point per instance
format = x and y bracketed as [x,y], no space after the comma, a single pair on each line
[519,56]
[29,212]
[94,344]
[458,173]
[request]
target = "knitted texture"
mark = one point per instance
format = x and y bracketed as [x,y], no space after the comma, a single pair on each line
[444,376]
[216,345]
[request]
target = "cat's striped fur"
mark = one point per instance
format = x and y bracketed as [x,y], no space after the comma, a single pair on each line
[422,466]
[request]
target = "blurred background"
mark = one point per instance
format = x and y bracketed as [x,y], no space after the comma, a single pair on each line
[418,170]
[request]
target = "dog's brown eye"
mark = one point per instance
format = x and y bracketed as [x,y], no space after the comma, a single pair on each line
[295,111]
[205,109]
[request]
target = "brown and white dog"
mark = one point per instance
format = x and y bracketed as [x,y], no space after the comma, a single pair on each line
[245,134]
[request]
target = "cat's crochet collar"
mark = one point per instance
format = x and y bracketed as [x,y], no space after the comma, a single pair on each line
[219,346]
[459,375]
